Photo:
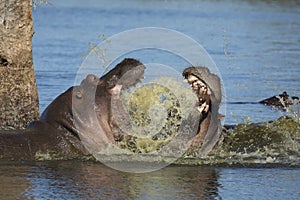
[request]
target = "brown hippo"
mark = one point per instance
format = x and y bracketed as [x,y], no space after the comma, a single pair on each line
[207,87]
[281,100]
[68,125]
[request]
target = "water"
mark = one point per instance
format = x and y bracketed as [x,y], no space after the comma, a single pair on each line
[255,45]
[87,180]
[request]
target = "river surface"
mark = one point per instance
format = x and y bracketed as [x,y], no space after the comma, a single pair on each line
[88,180]
[256,47]
[255,44]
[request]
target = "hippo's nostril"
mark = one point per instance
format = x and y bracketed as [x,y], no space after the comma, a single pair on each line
[78,95]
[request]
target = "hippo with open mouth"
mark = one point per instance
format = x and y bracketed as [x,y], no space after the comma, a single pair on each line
[71,121]
[207,88]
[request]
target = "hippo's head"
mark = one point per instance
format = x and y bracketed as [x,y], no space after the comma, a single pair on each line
[92,102]
[82,113]
[204,83]
[127,73]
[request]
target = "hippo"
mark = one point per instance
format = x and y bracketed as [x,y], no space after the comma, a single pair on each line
[207,88]
[69,123]
[281,100]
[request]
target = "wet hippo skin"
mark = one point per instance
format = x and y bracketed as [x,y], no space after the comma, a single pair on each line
[69,124]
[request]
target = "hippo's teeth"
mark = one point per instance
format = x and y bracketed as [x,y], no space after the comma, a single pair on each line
[96,108]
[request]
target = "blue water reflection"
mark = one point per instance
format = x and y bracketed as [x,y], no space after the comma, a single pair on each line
[88,180]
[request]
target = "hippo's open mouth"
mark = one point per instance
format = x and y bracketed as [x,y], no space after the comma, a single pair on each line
[202,91]
[132,77]
[94,99]
[127,73]
[207,87]
[198,86]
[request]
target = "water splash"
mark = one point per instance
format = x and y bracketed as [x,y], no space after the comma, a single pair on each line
[156,113]
[266,143]
[274,143]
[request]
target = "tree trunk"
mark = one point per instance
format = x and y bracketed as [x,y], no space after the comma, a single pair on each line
[18,92]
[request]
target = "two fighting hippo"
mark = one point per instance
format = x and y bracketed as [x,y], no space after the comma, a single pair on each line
[80,121]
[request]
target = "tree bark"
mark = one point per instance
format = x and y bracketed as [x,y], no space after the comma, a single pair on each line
[18,92]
